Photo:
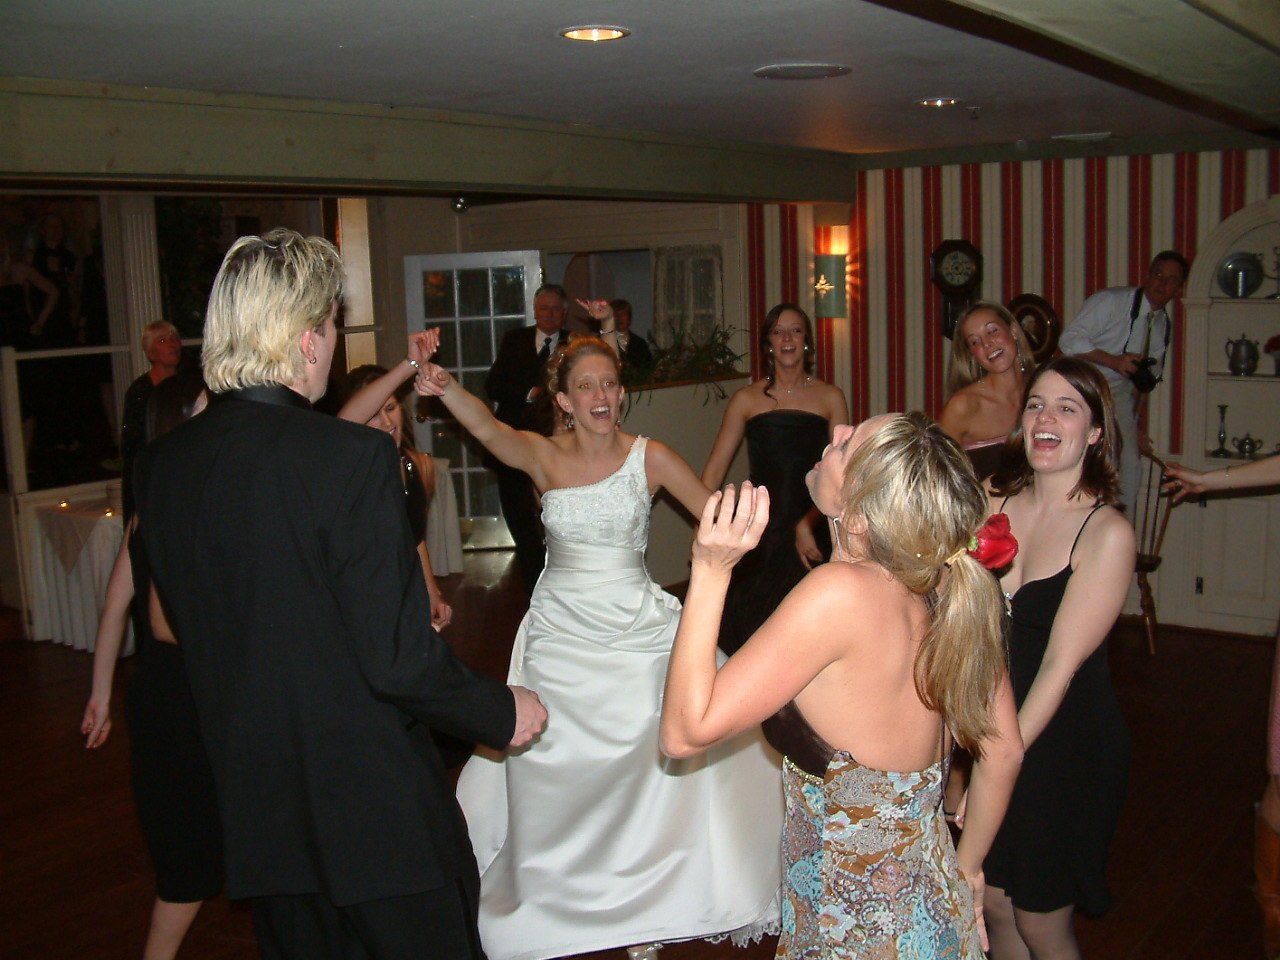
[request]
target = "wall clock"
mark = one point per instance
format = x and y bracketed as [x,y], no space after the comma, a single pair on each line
[955,267]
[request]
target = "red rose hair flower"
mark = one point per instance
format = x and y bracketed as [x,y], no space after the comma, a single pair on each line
[994,545]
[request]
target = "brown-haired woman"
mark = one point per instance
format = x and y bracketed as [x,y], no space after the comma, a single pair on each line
[168,768]
[990,363]
[787,417]
[373,398]
[589,840]
[1065,590]
[872,665]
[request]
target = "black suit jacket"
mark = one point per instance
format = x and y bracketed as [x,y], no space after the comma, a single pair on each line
[637,352]
[515,371]
[282,553]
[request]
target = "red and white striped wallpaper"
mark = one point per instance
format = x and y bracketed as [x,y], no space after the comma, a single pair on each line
[1062,229]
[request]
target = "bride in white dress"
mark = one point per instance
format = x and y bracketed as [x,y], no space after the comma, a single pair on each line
[591,839]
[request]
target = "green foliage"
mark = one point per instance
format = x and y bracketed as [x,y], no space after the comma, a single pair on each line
[686,360]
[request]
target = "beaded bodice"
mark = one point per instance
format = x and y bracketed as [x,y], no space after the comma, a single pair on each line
[611,512]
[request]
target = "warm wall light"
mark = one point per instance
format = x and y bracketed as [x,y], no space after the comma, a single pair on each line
[937,102]
[595,33]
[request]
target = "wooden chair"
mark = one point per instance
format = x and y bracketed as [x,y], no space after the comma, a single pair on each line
[1149,523]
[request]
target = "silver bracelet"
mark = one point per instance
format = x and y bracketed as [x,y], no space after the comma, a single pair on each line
[413,363]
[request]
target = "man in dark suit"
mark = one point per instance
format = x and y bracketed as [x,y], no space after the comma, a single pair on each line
[282,554]
[635,348]
[515,382]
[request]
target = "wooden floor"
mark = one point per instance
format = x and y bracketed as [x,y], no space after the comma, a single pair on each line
[75,881]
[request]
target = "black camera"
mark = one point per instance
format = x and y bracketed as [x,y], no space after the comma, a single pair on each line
[1144,381]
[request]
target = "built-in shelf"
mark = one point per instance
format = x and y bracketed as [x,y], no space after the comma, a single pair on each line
[1236,458]
[1236,378]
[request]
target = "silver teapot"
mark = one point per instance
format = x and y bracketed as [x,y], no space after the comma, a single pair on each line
[1248,447]
[1242,356]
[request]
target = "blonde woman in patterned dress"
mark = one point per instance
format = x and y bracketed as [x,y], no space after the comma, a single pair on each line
[872,665]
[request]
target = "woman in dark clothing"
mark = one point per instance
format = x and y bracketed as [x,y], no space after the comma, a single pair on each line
[372,398]
[172,782]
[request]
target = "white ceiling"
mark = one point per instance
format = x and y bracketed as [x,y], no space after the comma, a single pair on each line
[686,70]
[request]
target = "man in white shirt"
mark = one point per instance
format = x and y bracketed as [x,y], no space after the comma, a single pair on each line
[1126,331]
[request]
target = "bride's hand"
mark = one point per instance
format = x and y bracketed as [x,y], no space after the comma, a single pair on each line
[731,526]
[432,381]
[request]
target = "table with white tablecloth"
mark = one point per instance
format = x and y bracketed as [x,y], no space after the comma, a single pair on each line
[444,536]
[73,548]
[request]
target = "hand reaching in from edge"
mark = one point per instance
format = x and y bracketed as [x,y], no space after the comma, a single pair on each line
[531,715]
[1183,482]
[730,525]
[807,544]
[96,725]
[432,380]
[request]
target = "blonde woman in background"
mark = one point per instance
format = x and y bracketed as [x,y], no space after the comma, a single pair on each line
[990,363]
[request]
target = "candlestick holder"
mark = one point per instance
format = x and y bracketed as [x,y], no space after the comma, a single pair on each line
[1222,450]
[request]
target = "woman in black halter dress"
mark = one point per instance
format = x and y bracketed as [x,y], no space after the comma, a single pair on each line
[371,396]
[786,418]
[1065,590]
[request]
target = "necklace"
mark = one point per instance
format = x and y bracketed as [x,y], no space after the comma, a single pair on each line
[799,386]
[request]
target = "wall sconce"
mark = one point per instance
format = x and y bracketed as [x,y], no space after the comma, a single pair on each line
[830,290]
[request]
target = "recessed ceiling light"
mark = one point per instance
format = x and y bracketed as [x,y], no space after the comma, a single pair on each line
[801,71]
[595,33]
[937,102]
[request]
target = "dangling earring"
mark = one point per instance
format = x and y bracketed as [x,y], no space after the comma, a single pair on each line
[569,421]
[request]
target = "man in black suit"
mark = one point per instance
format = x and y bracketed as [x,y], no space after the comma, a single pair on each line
[515,382]
[282,554]
[635,348]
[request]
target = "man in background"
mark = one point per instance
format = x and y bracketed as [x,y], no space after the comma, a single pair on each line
[163,349]
[635,348]
[516,381]
[1125,332]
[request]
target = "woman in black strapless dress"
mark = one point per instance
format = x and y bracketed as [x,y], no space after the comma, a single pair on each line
[787,418]
[1065,590]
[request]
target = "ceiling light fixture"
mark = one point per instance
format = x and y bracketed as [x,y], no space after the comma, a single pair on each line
[801,71]
[1091,137]
[594,33]
[937,102]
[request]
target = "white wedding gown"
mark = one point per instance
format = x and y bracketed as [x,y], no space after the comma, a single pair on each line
[591,838]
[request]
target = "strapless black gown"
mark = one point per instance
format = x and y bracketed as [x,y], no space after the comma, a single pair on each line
[782,446]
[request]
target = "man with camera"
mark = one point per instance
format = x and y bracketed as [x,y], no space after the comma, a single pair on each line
[1125,331]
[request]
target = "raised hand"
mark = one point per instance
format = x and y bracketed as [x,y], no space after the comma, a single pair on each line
[731,525]
[432,380]
[597,309]
[423,345]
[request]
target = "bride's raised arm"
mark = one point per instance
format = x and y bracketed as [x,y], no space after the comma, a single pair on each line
[518,449]
[668,470]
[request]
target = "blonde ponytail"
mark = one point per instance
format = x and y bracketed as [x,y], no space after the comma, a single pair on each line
[921,503]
